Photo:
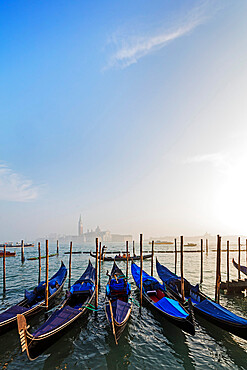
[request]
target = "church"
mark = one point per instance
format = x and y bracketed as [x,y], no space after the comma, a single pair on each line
[103,236]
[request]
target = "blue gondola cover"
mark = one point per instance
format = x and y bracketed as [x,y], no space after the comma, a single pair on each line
[119,309]
[171,307]
[136,275]
[216,310]
[39,291]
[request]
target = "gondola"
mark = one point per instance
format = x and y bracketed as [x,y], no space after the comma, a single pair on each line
[121,258]
[117,305]
[203,305]
[161,301]
[75,305]
[7,253]
[243,269]
[34,301]
[75,252]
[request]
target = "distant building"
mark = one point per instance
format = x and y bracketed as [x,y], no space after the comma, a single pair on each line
[89,236]
[80,227]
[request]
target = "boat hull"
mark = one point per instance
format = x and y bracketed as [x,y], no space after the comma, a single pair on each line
[234,328]
[186,325]
[9,324]
[240,331]
[119,327]
[36,346]
[135,258]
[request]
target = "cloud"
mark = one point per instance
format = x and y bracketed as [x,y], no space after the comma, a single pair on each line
[218,160]
[131,48]
[14,187]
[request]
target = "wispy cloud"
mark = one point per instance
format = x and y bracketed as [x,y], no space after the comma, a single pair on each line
[129,49]
[219,160]
[14,187]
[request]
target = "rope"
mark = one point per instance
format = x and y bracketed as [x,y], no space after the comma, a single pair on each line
[90,308]
[133,300]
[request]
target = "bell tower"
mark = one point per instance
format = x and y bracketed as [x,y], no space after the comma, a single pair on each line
[80,227]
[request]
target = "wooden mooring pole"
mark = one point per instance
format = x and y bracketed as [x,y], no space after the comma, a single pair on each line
[70,262]
[227,263]
[239,253]
[246,252]
[47,275]
[218,275]
[22,252]
[141,268]
[134,248]
[175,244]
[96,274]
[100,251]
[4,268]
[182,266]
[207,246]
[57,248]
[39,262]
[201,280]
[127,258]
[152,260]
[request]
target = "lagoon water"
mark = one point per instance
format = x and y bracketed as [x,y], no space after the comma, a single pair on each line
[148,341]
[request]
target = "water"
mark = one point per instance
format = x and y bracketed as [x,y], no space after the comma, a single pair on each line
[148,341]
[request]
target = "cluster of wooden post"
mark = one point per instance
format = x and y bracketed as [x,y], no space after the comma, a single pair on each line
[100,252]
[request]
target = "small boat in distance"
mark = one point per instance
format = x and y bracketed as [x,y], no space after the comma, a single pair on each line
[122,257]
[16,245]
[76,304]
[75,252]
[117,306]
[190,245]
[8,253]
[161,242]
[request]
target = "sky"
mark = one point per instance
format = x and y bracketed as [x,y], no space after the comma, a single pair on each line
[132,114]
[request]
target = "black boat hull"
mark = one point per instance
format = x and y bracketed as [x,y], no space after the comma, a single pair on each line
[37,346]
[239,330]
[7,325]
[186,325]
[117,327]
[118,259]
[55,326]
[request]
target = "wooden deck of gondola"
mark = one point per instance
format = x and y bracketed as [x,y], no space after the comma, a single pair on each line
[234,286]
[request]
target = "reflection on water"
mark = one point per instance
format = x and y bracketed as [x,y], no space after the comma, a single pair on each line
[149,341]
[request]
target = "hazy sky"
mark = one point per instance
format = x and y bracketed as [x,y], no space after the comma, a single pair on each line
[132,113]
